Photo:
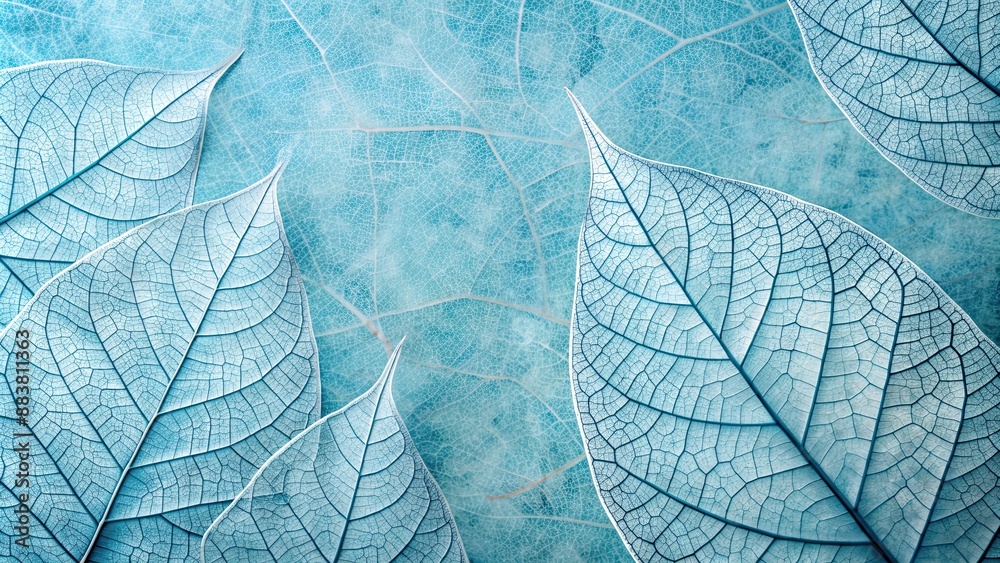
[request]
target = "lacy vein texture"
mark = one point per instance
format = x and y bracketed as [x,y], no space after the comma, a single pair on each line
[352,487]
[90,150]
[921,80]
[166,367]
[439,181]
[757,377]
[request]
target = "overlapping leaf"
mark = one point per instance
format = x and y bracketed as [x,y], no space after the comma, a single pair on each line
[760,378]
[166,367]
[440,181]
[352,487]
[89,150]
[921,80]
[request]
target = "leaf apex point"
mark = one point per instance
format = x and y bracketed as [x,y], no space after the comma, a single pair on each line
[591,132]
[390,367]
[274,176]
[577,106]
[228,62]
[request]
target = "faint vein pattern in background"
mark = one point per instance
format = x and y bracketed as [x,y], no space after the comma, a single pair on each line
[405,222]
[759,378]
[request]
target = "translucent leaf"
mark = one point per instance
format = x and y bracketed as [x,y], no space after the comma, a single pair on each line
[921,81]
[351,487]
[440,181]
[89,150]
[165,367]
[759,378]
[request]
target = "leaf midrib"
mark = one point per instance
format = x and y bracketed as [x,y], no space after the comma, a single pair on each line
[961,64]
[954,57]
[97,161]
[862,523]
[180,363]
[361,466]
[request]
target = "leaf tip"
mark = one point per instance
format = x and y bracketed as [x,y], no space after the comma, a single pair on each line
[214,74]
[284,156]
[272,178]
[592,133]
[390,367]
[260,191]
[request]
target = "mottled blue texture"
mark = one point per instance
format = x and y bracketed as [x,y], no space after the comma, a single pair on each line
[89,150]
[166,367]
[921,80]
[439,180]
[758,378]
[351,487]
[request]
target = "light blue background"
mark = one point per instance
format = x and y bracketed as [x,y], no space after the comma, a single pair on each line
[438,182]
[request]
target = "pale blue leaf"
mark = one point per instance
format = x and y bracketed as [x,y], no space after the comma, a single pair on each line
[351,487]
[760,378]
[89,150]
[921,80]
[165,367]
[405,220]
